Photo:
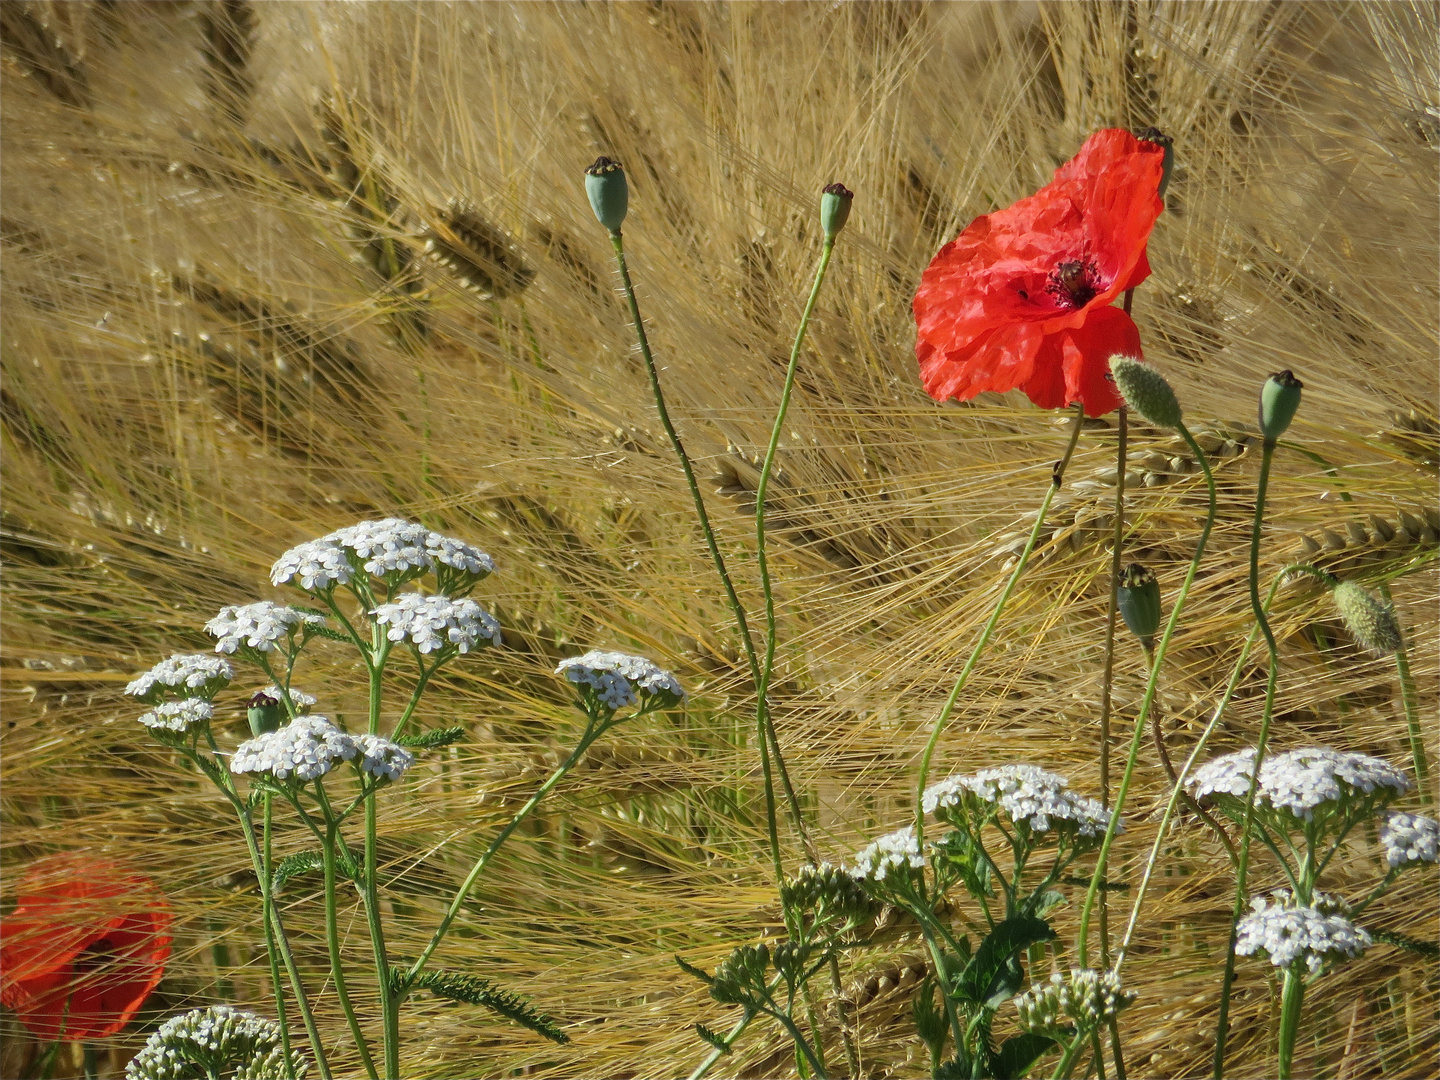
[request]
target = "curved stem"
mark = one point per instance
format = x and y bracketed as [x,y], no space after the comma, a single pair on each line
[729,1040]
[1412,711]
[1292,997]
[1242,865]
[593,730]
[1067,1060]
[267,903]
[1057,477]
[1151,686]
[763,486]
[404,720]
[768,734]
[332,943]
[1107,679]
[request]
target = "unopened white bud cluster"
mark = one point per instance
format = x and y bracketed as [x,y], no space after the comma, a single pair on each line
[432,623]
[193,674]
[898,850]
[617,678]
[1086,998]
[391,548]
[216,1041]
[1317,935]
[1409,839]
[1300,782]
[306,748]
[1033,798]
[180,716]
[257,626]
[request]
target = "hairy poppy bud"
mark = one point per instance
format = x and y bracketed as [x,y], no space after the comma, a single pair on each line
[1138,599]
[608,192]
[1154,135]
[1370,620]
[1146,391]
[1279,398]
[835,209]
[265,713]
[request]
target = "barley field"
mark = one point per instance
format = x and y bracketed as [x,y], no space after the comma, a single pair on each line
[272,269]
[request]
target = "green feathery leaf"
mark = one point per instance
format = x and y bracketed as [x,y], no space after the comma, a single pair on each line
[473,990]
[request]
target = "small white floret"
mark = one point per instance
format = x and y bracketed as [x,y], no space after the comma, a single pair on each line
[1409,839]
[306,748]
[257,626]
[432,623]
[379,757]
[617,678]
[179,716]
[183,672]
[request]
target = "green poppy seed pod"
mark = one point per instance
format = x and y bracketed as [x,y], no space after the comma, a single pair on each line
[835,209]
[1146,391]
[608,192]
[1156,136]
[1138,599]
[265,714]
[1371,621]
[1279,398]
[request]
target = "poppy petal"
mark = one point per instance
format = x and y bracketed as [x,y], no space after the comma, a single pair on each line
[1087,352]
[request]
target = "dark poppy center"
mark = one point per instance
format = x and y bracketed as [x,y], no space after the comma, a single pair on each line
[1073,283]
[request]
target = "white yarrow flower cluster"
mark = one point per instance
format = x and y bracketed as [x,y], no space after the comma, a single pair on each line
[258,626]
[387,546]
[183,673]
[306,748]
[315,564]
[458,555]
[179,716]
[1300,782]
[894,851]
[1409,839]
[1087,998]
[1032,797]
[1320,936]
[215,1041]
[380,757]
[431,623]
[616,678]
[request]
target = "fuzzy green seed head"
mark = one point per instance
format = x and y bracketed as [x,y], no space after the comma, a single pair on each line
[608,191]
[1146,391]
[1370,620]
[835,209]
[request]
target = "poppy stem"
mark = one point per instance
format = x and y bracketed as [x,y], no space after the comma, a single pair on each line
[1151,686]
[1057,477]
[1107,679]
[766,730]
[1242,864]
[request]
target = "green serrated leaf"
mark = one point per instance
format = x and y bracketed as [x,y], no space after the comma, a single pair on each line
[432,740]
[1409,944]
[302,862]
[957,1068]
[1017,1054]
[473,990]
[994,974]
[713,1039]
[691,969]
[327,632]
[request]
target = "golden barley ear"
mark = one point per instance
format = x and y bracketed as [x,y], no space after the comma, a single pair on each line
[43,54]
[228,30]
[476,252]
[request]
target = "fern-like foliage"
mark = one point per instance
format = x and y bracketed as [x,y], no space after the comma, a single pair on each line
[1426,949]
[434,739]
[313,862]
[474,990]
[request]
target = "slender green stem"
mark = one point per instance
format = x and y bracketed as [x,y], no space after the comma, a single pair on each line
[1151,686]
[332,943]
[762,487]
[1057,477]
[1292,997]
[729,1040]
[1107,679]
[1067,1060]
[267,903]
[767,733]
[389,1007]
[404,720]
[801,1043]
[593,730]
[1242,865]
[1412,711]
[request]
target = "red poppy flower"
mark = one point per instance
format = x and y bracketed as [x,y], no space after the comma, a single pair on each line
[83,948]
[1021,298]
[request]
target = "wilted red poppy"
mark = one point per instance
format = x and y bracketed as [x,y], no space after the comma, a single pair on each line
[1021,298]
[83,948]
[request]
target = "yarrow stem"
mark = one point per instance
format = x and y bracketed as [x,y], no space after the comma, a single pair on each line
[1292,997]
[767,735]
[267,906]
[1242,864]
[1148,701]
[1056,479]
